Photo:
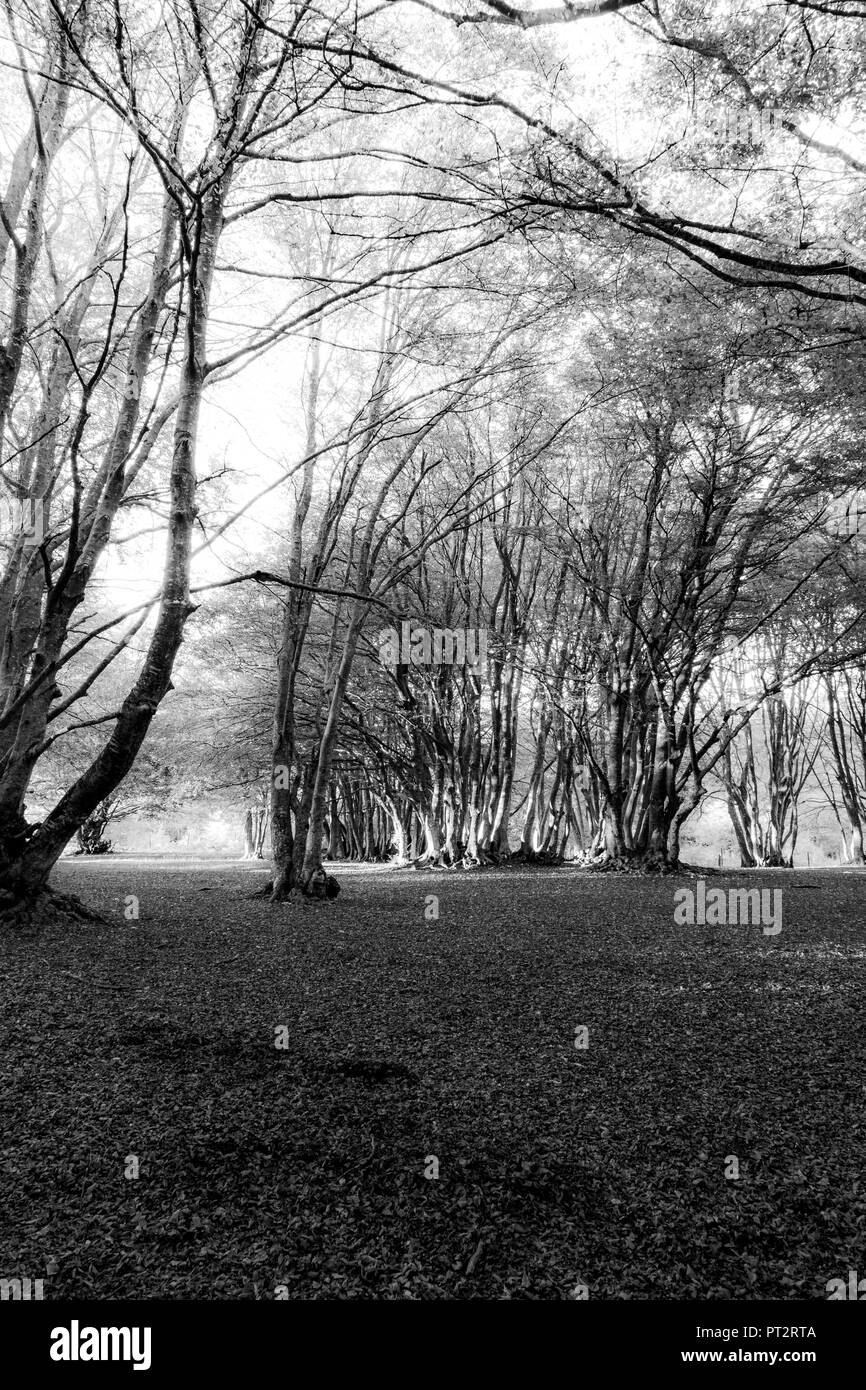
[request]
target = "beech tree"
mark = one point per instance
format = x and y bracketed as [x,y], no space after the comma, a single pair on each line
[319,187]
[846,741]
[766,767]
[192,105]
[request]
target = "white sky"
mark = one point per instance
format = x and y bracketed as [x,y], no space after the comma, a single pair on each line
[253,423]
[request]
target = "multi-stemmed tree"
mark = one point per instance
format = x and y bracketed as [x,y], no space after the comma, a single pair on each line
[223,130]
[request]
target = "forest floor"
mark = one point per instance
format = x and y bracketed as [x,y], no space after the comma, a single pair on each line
[304,1158]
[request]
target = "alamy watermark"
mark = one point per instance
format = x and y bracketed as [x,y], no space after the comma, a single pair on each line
[414,645]
[22,518]
[738,907]
[838,1289]
[77,1343]
[736,126]
[846,516]
[728,125]
[22,1290]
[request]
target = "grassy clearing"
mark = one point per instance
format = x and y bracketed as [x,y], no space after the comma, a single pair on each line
[409,1039]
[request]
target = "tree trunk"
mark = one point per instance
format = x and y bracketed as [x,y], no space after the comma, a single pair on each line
[28,857]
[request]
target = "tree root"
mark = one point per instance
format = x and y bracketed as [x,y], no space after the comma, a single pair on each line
[45,908]
[643,865]
[321,886]
[259,894]
[546,858]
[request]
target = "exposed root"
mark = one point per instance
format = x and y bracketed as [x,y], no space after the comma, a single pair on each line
[267,894]
[480,859]
[321,886]
[46,908]
[651,865]
[259,894]
[545,857]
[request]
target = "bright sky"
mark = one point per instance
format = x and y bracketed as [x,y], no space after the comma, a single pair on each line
[253,425]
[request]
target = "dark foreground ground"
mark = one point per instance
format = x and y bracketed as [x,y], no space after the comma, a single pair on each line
[411,1039]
